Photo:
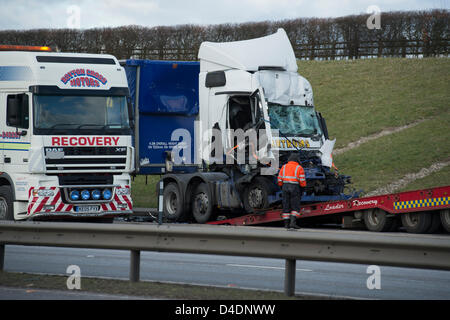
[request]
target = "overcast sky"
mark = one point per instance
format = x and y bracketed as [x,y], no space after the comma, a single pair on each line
[31,14]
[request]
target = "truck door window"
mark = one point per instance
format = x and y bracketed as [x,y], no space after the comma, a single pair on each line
[240,113]
[17,113]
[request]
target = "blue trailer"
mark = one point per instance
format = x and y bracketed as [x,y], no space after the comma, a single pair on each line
[164,95]
[165,98]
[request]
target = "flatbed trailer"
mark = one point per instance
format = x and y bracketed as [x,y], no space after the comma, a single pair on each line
[420,211]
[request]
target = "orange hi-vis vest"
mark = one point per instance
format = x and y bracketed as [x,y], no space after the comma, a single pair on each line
[292,172]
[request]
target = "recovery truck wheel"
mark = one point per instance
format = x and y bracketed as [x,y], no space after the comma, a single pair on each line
[6,203]
[172,205]
[435,225]
[445,219]
[256,195]
[416,222]
[202,205]
[377,220]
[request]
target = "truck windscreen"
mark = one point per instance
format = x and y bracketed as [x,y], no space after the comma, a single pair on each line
[293,120]
[80,114]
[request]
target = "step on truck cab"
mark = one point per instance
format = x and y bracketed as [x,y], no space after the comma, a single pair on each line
[65,135]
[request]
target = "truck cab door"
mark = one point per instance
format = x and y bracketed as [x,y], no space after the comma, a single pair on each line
[3,103]
[262,123]
[16,132]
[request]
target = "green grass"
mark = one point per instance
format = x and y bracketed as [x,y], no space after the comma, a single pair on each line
[437,179]
[362,97]
[389,158]
[142,288]
[144,194]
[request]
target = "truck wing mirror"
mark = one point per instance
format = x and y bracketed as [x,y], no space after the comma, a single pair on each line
[130,113]
[323,125]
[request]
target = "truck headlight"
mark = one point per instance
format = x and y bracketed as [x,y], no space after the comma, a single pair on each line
[107,194]
[85,194]
[74,195]
[96,194]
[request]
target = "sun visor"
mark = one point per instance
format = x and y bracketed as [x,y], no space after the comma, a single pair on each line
[273,51]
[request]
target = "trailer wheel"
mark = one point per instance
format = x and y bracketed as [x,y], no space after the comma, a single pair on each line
[202,206]
[435,226]
[256,195]
[377,220]
[416,222]
[6,203]
[172,204]
[445,219]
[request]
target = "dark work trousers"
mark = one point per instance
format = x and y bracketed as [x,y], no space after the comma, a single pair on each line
[291,200]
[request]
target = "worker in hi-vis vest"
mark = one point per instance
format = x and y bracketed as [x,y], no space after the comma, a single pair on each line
[291,179]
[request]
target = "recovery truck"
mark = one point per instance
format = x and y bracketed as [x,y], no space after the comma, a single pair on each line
[218,130]
[66,148]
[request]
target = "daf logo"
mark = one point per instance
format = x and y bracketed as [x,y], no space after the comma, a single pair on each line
[54,149]
[54,153]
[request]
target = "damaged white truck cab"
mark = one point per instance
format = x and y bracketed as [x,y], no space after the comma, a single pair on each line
[247,109]
[65,145]
[254,84]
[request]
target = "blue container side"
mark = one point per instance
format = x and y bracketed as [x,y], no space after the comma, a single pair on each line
[166,86]
[168,100]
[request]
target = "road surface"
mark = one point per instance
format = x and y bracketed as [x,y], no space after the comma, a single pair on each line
[322,278]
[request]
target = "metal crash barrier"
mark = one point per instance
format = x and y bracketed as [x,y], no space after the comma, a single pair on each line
[402,250]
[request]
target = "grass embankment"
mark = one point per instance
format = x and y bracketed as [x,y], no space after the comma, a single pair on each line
[440,178]
[362,97]
[387,159]
[141,289]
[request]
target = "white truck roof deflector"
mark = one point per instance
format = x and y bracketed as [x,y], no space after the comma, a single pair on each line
[270,51]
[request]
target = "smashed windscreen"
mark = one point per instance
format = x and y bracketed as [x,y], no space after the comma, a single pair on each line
[294,120]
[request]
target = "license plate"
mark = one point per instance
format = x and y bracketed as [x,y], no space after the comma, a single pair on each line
[87,209]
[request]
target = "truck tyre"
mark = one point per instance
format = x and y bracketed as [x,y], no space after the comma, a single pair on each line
[6,203]
[445,219]
[377,220]
[416,222]
[256,195]
[172,203]
[202,205]
[435,225]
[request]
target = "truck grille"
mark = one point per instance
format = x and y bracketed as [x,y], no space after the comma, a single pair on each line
[85,159]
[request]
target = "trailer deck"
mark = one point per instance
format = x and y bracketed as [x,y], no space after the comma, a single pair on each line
[425,200]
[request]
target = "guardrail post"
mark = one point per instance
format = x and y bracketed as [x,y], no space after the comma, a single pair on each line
[289,277]
[135,265]
[2,256]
